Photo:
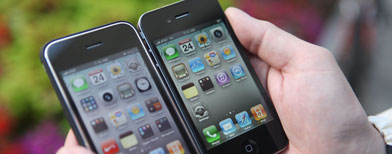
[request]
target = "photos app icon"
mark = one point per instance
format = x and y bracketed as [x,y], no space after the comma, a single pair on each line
[202,39]
[115,70]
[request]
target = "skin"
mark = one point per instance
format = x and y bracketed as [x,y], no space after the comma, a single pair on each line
[71,146]
[317,107]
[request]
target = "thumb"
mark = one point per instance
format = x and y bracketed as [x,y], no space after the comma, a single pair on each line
[274,46]
[73,150]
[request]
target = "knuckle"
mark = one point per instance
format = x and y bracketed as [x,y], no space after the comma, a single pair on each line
[327,53]
[267,24]
[322,52]
[325,56]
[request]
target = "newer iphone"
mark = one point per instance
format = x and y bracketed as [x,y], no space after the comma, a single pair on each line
[111,93]
[211,78]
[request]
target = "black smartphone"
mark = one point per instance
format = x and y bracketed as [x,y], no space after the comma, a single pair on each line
[111,93]
[208,73]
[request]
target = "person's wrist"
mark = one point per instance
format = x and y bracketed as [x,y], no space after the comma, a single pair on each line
[378,141]
[369,142]
[383,124]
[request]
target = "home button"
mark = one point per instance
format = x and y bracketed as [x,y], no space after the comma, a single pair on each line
[250,147]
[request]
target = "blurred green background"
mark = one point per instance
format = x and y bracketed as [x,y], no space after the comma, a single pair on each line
[31,117]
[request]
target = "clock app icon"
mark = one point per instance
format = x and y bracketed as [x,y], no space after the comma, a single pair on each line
[143,84]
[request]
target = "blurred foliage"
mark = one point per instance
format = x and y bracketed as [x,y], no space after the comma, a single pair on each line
[25,26]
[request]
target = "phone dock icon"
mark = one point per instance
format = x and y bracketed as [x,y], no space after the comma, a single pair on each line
[211,134]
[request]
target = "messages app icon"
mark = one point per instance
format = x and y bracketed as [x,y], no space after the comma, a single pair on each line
[196,64]
[79,84]
[211,134]
[170,51]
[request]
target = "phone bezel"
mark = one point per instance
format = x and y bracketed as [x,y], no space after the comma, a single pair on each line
[56,56]
[200,12]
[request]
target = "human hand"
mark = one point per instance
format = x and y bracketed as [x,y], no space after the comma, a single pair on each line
[317,107]
[71,146]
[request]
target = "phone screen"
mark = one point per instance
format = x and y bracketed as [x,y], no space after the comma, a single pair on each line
[121,106]
[213,81]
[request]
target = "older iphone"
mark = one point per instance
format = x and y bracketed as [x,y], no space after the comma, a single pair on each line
[111,93]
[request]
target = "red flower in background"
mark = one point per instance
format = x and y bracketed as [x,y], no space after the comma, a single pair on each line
[5,39]
[5,122]
[5,129]
[14,148]
[5,35]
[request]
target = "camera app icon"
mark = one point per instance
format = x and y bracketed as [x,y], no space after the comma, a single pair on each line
[217,33]
[107,96]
